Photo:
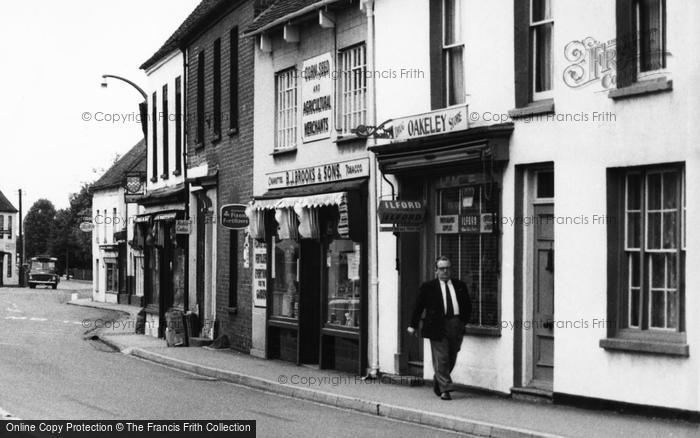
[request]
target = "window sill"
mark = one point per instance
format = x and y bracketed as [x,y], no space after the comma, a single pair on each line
[232,132]
[164,176]
[533,108]
[232,310]
[489,332]
[177,173]
[216,139]
[348,138]
[637,346]
[154,179]
[280,152]
[643,87]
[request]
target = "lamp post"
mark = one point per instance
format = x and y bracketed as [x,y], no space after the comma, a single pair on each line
[143,106]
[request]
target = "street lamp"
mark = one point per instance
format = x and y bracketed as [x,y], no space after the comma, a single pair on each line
[143,106]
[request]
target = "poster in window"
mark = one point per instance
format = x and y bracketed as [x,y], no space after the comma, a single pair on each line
[259,274]
[446,224]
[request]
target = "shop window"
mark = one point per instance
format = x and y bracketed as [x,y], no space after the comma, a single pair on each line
[353,88]
[465,233]
[285,278]
[111,277]
[286,109]
[344,283]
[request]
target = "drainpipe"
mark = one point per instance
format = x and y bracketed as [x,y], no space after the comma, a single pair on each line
[373,305]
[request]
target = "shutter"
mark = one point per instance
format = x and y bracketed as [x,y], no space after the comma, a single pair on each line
[523,69]
[626,43]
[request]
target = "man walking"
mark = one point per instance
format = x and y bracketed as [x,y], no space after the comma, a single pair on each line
[447,306]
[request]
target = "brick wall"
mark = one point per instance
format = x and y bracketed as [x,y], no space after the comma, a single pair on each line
[232,155]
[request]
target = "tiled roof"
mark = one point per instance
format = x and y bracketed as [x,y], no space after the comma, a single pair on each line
[5,205]
[204,10]
[132,161]
[281,10]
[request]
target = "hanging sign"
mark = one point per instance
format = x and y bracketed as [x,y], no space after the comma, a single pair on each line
[317,96]
[87,227]
[401,212]
[233,216]
[319,174]
[183,226]
[441,121]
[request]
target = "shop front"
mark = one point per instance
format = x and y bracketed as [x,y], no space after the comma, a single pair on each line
[448,204]
[312,242]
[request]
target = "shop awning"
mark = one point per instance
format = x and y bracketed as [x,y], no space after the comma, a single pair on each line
[317,195]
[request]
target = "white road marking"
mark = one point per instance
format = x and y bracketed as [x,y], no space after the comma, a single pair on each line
[15,317]
[38,319]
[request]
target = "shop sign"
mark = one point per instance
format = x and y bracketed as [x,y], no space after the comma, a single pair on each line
[165,217]
[441,121]
[183,226]
[446,224]
[401,228]
[259,274]
[317,97]
[233,216]
[319,174]
[487,223]
[87,227]
[401,212]
[142,219]
[469,223]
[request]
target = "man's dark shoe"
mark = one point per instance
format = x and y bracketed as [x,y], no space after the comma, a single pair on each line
[445,396]
[436,387]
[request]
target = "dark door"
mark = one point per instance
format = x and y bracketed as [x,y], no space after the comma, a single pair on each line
[2,267]
[309,300]
[543,297]
[201,241]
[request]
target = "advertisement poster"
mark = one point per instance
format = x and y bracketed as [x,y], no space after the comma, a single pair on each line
[259,274]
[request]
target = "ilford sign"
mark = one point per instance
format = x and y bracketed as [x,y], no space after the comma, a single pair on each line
[319,174]
[441,121]
[401,212]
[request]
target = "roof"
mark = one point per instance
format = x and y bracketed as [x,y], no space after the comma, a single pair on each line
[5,205]
[283,10]
[132,161]
[204,10]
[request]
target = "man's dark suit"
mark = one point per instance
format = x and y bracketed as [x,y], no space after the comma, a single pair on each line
[445,334]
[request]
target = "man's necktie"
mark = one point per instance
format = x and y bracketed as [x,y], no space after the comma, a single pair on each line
[448,299]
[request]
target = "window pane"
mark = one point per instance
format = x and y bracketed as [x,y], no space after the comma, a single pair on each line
[634,265]
[453,22]
[634,308]
[658,270]
[650,35]
[448,246]
[658,309]
[671,181]
[545,184]
[285,296]
[543,61]
[654,191]
[344,283]
[633,229]
[541,10]
[489,279]
[672,310]
[654,230]
[634,183]
[449,201]
[455,71]
[672,276]
[670,234]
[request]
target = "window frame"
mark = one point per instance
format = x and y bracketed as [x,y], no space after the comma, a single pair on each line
[178,126]
[350,118]
[166,131]
[532,34]
[216,86]
[637,11]
[620,303]
[287,136]
[447,49]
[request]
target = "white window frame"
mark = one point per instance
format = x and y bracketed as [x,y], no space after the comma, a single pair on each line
[352,88]
[286,109]
[448,48]
[533,53]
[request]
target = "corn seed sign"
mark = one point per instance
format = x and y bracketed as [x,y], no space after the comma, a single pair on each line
[317,95]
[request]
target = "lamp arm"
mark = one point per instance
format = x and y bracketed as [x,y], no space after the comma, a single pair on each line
[140,90]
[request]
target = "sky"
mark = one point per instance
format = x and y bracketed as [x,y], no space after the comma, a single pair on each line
[52,58]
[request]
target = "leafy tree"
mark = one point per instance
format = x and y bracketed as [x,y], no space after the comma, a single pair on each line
[39,228]
[69,244]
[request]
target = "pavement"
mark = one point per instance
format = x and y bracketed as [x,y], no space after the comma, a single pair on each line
[476,414]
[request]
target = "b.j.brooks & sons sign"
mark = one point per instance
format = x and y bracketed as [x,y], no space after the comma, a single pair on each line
[319,174]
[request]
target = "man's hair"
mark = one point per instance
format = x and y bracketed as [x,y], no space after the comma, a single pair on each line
[442,259]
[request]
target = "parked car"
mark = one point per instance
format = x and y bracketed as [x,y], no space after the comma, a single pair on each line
[42,270]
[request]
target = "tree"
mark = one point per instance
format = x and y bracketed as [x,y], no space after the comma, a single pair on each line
[69,244]
[39,227]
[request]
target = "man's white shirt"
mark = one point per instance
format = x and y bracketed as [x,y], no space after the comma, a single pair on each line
[455,304]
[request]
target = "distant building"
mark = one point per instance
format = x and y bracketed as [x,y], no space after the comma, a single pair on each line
[9,271]
[118,257]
